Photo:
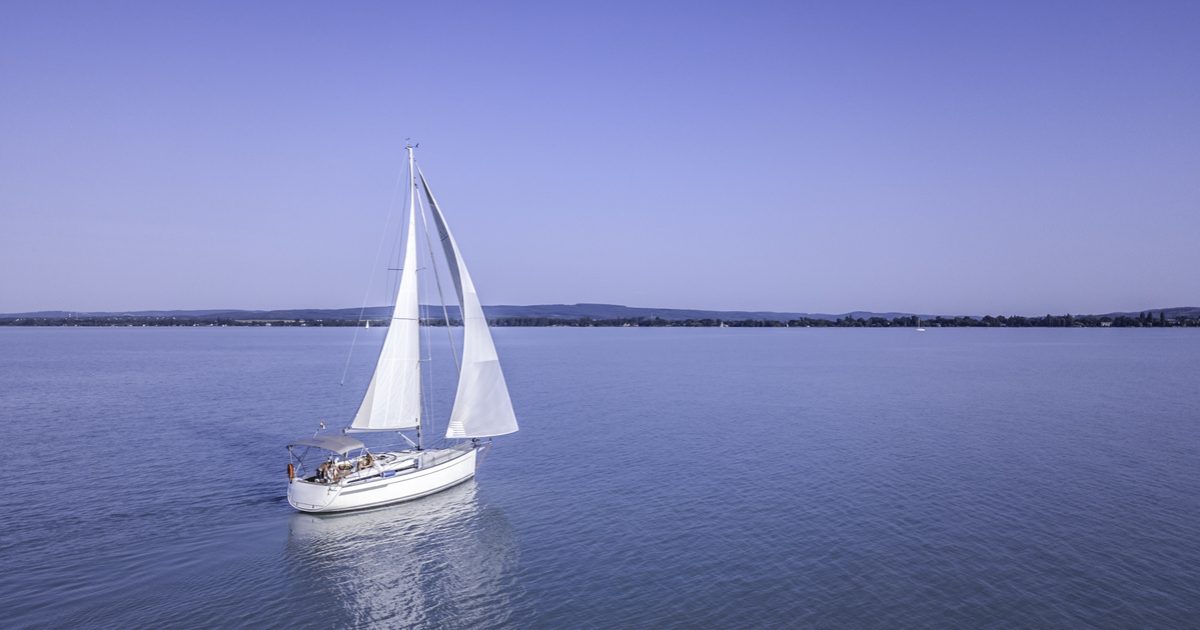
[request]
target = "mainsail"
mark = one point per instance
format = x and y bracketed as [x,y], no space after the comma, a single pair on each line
[482,407]
[393,399]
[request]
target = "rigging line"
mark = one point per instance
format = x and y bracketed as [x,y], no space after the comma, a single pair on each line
[371,275]
[437,278]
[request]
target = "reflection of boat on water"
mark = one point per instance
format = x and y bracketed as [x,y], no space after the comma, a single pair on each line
[441,560]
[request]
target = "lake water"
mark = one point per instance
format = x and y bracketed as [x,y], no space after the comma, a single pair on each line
[662,478]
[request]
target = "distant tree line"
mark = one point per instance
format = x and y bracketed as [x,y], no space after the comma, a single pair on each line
[1145,319]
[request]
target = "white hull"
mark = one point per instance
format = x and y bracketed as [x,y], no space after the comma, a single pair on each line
[438,470]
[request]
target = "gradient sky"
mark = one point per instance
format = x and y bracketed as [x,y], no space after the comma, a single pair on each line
[957,157]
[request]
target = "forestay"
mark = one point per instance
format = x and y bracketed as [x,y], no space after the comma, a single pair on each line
[482,407]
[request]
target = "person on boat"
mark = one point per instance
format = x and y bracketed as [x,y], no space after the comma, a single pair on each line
[326,471]
[339,470]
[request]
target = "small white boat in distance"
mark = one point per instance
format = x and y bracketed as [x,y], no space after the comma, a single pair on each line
[336,473]
[919,329]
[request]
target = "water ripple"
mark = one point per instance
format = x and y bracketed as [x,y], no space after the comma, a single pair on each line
[662,479]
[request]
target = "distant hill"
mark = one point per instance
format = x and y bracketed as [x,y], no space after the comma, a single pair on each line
[1173,312]
[615,311]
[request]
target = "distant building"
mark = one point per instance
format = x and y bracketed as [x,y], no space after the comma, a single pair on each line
[1106,324]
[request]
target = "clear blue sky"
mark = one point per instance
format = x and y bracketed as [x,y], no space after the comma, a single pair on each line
[957,157]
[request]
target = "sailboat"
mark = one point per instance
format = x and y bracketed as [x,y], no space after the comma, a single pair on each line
[919,328]
[338,472]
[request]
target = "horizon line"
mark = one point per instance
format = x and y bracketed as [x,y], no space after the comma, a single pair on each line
[68,312]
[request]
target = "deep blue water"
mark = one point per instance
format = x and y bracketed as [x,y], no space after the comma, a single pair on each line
[662,478]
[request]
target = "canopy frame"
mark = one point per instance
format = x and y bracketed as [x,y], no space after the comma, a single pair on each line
[338,444]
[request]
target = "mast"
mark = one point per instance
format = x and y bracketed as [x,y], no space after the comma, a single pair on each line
[411,245]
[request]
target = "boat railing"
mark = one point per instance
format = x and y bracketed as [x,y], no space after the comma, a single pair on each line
[429,457]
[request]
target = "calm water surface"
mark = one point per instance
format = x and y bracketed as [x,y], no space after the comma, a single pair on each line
[662,478]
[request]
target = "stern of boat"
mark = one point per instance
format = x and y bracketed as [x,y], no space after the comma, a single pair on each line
[312,497]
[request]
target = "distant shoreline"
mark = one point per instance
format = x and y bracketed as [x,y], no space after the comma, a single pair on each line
[1147,319]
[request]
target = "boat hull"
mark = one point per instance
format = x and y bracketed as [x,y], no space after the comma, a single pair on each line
[316,497]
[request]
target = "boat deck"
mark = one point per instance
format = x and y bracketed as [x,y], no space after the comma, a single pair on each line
[392,463]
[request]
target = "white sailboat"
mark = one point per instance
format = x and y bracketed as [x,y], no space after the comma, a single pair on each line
[338,472]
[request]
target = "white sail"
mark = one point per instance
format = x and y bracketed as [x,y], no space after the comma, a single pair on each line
[393,399]
[482,407]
